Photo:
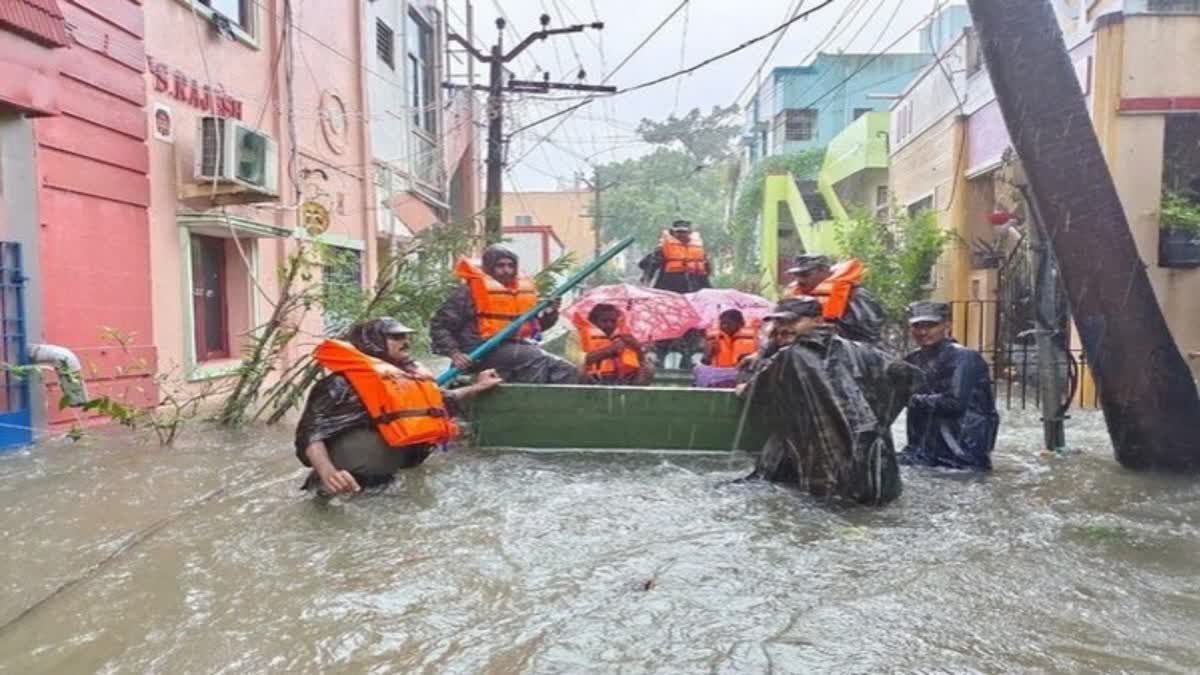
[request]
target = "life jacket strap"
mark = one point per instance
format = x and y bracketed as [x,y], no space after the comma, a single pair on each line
[387,417]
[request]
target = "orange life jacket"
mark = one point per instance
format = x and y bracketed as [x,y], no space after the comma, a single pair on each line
[834,293]
[592,339]
[681,258]
[731,348]
[497,305]
[406,411]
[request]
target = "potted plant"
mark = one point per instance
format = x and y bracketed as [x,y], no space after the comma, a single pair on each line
[1179,231]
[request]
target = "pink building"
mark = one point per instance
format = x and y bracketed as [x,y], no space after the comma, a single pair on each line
[222,222]
[75,190]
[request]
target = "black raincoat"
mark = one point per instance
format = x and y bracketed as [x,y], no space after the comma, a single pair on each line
[335,415]
[453,328]
[952,418]
[830,403]
[863,320]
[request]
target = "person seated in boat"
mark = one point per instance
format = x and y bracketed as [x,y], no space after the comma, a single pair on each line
[611,354]
[838,287]
[829,403]
[952,419]
[377,411]
[491,297]
[727,342]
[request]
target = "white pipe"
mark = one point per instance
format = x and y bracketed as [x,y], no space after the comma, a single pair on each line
[68,367]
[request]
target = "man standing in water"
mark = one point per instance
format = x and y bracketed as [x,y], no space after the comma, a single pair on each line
[952,418]
[829,403]
[377,412]
[490,299]
[844,302]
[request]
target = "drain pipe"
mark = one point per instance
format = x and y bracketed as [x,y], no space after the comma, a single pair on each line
[68,368]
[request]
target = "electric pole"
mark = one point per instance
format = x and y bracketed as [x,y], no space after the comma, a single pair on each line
[496,89]
[597,188]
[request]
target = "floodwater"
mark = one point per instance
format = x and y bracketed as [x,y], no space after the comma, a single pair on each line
[205,558]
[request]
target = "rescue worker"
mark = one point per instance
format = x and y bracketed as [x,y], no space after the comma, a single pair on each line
[829,404]
[727,343]
[490,298]
[679,264]
[844,302]
[611,354]
[952,418]
[377,412]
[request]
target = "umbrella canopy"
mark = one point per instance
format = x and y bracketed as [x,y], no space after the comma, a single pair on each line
[650,314]
[710,302]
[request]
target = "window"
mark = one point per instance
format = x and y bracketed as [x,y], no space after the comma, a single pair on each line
[341,286]
[859,112]
[881,195]
[920,205]
[237,11]
[422,87]
[1181,155]
[800,124]
[523,220]
[210,313]
[385,43]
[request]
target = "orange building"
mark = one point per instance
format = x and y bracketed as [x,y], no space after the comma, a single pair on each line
[568,213]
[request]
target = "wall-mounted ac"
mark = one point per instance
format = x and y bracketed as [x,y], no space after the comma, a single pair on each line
[234,155]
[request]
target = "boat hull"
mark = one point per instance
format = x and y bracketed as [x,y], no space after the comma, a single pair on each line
[632,419]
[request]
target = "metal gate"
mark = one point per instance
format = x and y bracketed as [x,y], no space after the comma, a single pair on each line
[15,418]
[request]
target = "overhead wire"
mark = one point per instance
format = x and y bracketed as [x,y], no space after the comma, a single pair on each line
[796,6]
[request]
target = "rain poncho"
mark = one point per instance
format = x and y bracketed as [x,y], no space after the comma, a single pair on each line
[830,403]
[863,320]
[335,415]
[453,329]
[952,418]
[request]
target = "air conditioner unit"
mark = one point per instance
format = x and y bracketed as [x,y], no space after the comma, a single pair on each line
[234,154]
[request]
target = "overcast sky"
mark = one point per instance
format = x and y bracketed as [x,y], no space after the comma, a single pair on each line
[604,130]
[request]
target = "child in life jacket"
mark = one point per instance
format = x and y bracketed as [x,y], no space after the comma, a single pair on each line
[612,355]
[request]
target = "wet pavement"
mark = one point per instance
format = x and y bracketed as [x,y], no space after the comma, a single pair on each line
[124,557]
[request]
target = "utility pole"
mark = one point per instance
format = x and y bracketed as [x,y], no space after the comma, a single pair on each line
[597,188]
[496,88]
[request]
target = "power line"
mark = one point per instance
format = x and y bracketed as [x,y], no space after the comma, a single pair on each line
[649,36]
[796,6]
[682,57]
[684,71]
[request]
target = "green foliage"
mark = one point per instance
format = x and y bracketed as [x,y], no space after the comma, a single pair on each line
[1180,213]
[550,276]
[655,189]
[899,257]
[802,165]
[705,138]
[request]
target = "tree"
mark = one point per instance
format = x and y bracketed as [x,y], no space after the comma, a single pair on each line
[652,190]
[685,177]
[706,138]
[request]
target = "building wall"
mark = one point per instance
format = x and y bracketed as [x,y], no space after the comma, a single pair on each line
[331,168]
[92,169]
[831,86]
[568,213]
[1135,152]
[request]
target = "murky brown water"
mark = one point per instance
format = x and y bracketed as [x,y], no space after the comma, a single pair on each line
[503,563]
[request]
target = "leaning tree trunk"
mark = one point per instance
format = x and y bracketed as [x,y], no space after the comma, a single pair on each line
[1149,399]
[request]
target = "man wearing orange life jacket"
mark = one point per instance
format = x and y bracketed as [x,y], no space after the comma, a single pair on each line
[679,263]
[730,340]
[845,303]
[377,412]
[612,356]
[493,294]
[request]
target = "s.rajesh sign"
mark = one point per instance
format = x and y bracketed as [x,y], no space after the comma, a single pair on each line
[186,89]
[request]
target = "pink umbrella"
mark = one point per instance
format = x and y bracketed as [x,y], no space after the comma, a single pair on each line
[710,302]
[650,314]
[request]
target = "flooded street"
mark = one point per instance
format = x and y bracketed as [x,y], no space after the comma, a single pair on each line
[206,558]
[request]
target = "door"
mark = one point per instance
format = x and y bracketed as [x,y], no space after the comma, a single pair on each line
[208,298]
